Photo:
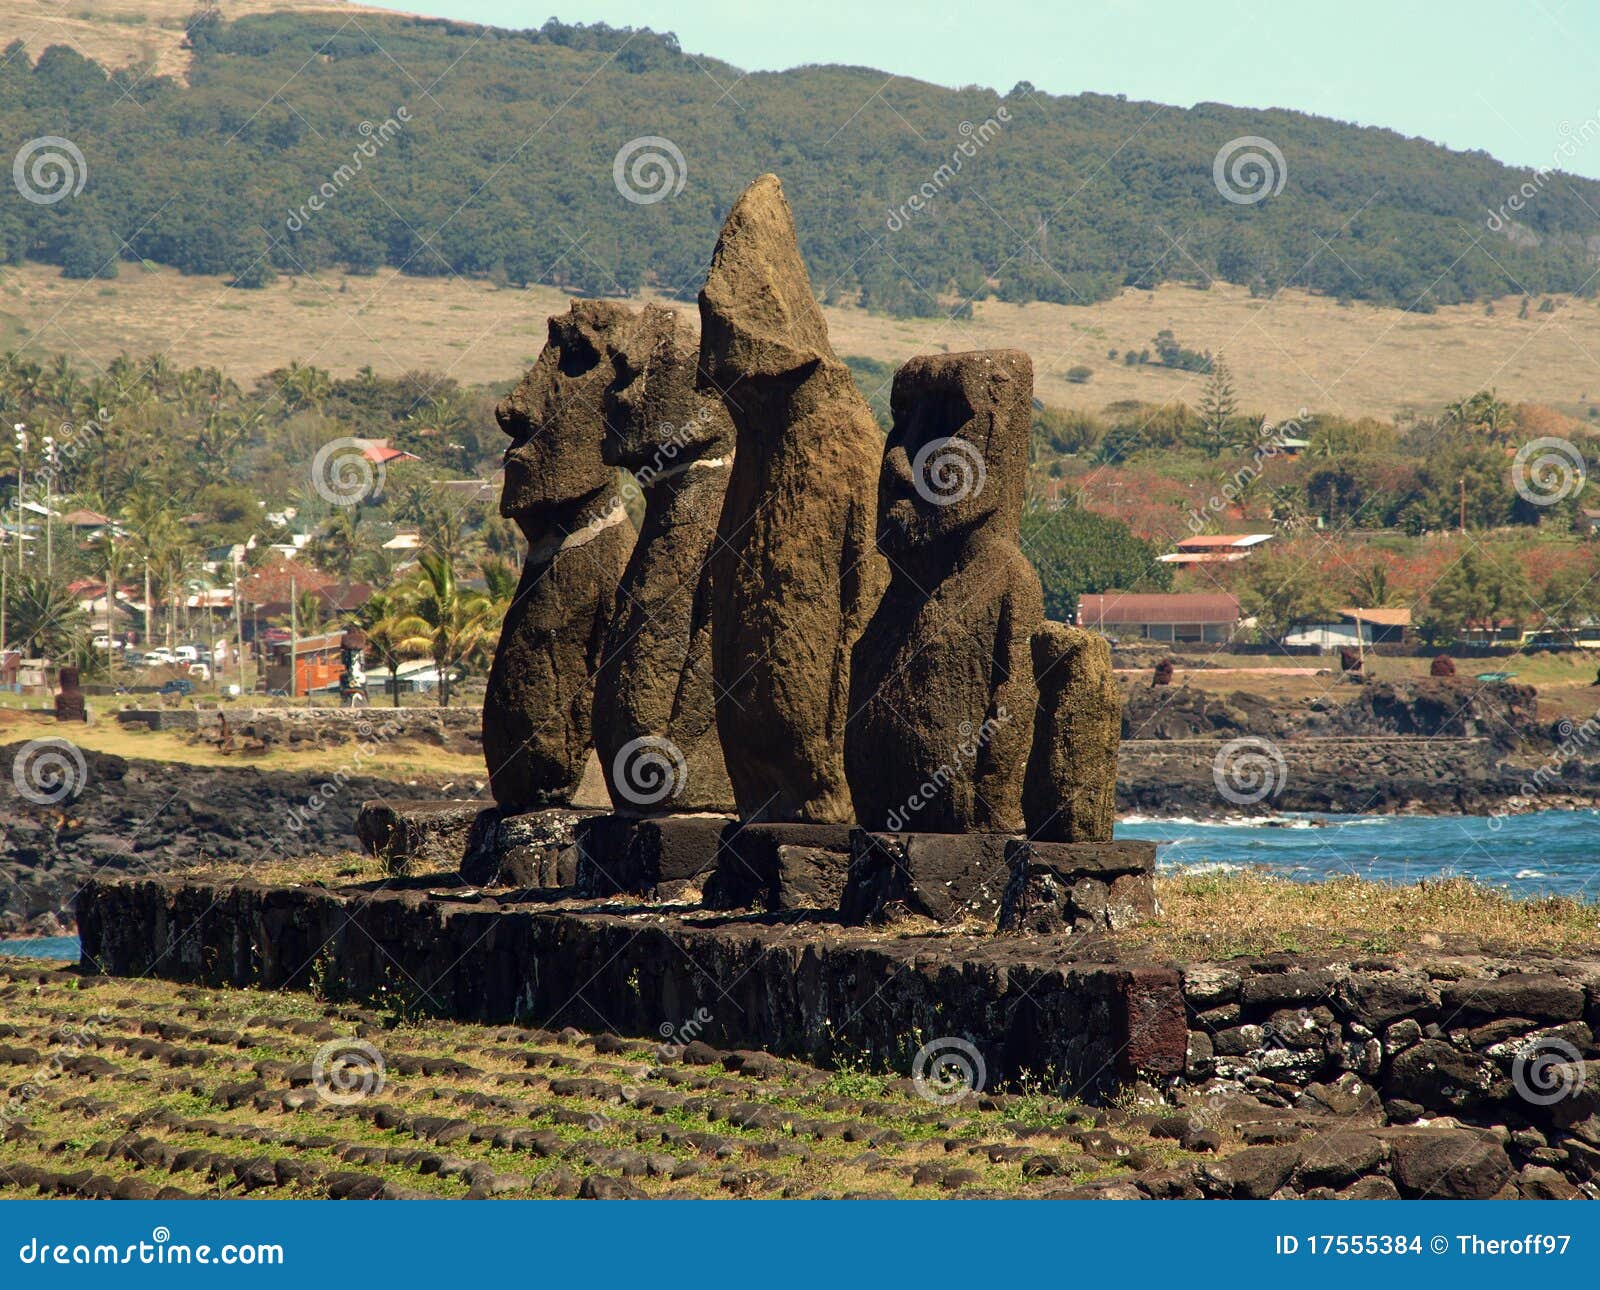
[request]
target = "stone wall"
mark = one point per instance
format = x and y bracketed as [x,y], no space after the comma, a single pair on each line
[812,991]
[1503,1046]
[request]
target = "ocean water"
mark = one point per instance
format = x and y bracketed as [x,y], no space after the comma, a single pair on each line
[1544,853]
[43,947]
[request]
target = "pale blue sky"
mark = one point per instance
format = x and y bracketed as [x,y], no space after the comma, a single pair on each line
[1502,77]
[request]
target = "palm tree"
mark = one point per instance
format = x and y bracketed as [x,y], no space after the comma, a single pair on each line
[394,635]
[1370,587]
[458,622]
[41,618]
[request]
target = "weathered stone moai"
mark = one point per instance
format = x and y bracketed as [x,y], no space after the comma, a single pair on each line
[654,713]
[942,688]
[1069,793]
[563,495]
[70,703]
[796,576]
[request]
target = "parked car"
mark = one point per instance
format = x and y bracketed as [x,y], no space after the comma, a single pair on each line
[178,685]
[107,642]
[200,671]
[186,654]
[158,656]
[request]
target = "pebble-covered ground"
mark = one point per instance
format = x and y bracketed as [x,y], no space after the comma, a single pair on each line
[140,1089]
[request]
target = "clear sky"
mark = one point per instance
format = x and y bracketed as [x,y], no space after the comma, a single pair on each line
[1503,77]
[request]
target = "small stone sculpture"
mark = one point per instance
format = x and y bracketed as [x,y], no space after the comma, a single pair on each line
[942,689]
[1070,791]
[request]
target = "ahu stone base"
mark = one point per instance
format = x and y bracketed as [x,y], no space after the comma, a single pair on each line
[663,857]
[999,882]
[1077,886]
[780,867]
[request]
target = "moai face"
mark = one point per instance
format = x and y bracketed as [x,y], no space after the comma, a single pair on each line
[655,417]
[555,417]
[954,457]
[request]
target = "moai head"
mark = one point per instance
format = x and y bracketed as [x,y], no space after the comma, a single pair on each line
[656,417]
[957,454]
[556,418]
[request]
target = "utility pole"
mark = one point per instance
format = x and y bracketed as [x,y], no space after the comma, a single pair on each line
[49,506]
[22,487]
[238,622]
[1463,503]
[294,643]
[148,639]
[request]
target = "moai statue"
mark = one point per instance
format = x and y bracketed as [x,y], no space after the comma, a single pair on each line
[942,691]
[1069,793]
[70,703]
[796,577]
[564,497]
[655,722]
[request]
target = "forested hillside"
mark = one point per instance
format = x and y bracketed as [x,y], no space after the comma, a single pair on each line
[491,152]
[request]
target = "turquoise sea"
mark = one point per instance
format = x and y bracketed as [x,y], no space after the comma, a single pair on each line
[1543,853]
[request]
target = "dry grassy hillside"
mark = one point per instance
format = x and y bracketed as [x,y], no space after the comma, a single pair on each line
[120,33]
[1290,352]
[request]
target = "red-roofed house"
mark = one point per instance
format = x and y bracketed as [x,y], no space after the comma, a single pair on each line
[1162,616]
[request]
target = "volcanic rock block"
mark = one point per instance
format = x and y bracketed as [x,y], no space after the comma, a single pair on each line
[942,692]
[532,849]
[413,836]
[563,495]
[653,692]
[948,877]
[780,867]
[795,575]
[1069,792]
[1077,886]
[660,856]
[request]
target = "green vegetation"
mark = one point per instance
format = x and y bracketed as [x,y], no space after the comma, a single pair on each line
[394,124]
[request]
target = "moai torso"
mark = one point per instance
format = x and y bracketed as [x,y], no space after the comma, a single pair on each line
[942,692]
[796,576]
[654,711]
[562,494]
[1070,790]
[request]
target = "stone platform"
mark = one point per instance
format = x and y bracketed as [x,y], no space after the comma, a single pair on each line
[798,988]
[979,881]
[1404,1037]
